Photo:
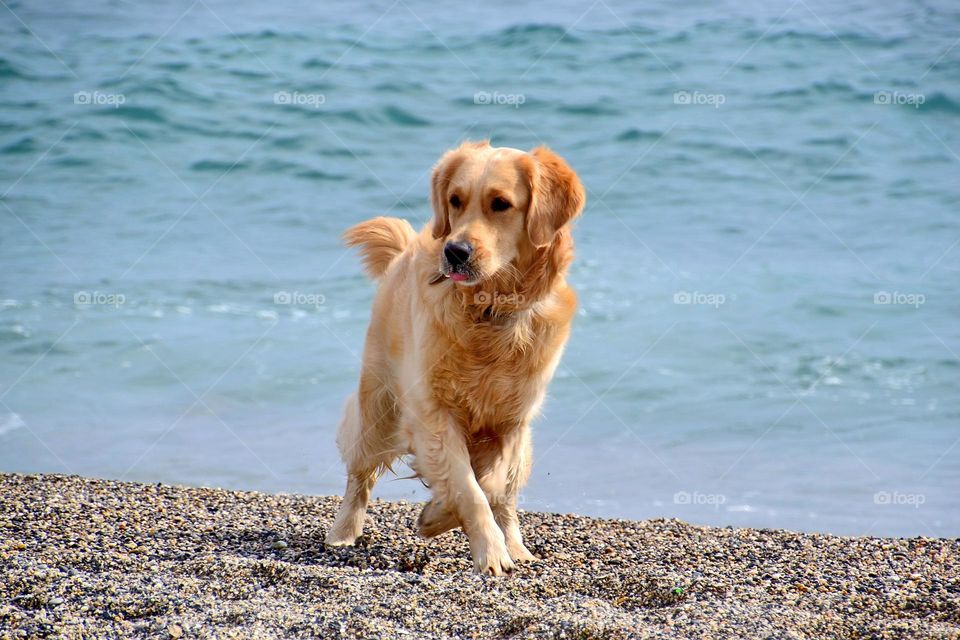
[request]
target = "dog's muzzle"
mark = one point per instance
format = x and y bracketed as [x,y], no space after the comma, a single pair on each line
[457,254]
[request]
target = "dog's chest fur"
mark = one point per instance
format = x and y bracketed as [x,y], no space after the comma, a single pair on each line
[492,374]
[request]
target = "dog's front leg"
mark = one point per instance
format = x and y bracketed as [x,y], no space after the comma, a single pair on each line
[443,460]
[502,485]
[501,482]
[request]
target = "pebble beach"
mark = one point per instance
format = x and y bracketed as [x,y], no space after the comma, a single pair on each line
[86,558]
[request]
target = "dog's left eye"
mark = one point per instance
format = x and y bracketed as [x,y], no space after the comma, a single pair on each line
[500,204]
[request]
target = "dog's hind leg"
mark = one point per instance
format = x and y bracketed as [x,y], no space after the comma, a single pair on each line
[435,519]
[349,522]
[366,453]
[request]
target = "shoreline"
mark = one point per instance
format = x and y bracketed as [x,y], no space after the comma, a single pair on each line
[83,557]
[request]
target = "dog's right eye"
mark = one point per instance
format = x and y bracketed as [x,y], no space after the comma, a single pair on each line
[500,204]
[455,201]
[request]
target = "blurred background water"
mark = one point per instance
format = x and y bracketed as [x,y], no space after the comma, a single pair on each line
[767,264]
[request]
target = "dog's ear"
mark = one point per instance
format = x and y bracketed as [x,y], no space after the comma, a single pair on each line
[442,174]
[556,195]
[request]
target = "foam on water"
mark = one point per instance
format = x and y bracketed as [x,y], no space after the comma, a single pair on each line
[10,422]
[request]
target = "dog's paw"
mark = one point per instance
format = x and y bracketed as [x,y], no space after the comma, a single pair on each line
[435,519]
[335,539]
[493,560]
[343,533]
[519,552]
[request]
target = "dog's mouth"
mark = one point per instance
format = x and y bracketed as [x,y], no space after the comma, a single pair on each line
[462,273]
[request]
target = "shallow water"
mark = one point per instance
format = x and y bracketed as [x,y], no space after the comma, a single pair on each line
[172,176]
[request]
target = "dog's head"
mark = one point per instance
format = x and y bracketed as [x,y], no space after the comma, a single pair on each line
[494,208]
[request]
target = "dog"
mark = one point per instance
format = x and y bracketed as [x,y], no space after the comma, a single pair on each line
[468,325]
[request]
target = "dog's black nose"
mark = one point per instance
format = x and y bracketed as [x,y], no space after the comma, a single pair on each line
[457,253]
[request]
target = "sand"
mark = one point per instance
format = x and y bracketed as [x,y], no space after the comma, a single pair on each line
[85,558]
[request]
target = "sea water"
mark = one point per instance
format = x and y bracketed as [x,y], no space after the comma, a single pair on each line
[766,266]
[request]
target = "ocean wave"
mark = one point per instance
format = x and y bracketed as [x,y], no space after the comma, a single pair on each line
[72,162]
[15,332]
[631,31]
[86,134]
[532,34]
[939,101]
[299,170]
[130,112]
[9,71]
[291,143]
[177,67]
[845,176]
[46,348]
[317,63]
[26,144]
[839,141]
[166,88]
[389,114]
[592,109]
[631,56]
[630,135]
[829,37]
[735,149]
[211,129]
[316,174]
[400,116]
[405,87]
[249,74]
[218,166]
[821,89]
[340,152]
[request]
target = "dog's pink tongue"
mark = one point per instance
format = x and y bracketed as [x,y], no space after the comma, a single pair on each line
[458,277]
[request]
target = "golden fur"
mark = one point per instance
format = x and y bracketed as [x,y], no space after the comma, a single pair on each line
[454,371]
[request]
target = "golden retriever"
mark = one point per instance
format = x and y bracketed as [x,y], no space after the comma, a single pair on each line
[467,328]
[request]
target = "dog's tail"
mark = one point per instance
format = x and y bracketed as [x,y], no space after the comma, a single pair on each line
[380,241]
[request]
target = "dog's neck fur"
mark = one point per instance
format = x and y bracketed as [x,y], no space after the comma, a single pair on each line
[508,296]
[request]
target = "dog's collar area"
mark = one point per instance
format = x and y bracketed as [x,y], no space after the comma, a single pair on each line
[488,314]
[497,320]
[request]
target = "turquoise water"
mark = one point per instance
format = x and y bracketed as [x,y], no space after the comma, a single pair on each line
[175,305]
